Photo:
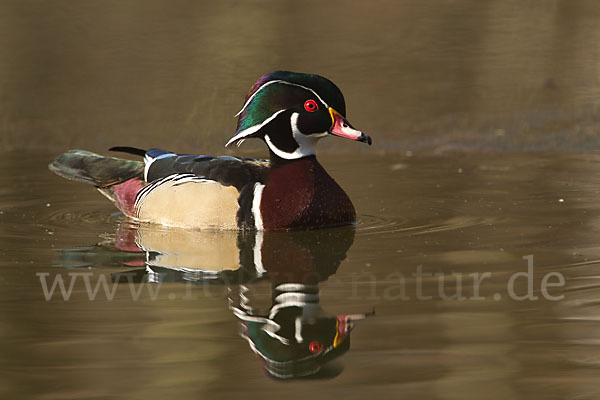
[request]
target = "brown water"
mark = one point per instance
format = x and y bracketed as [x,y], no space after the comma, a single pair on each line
[484,117]
[460,214]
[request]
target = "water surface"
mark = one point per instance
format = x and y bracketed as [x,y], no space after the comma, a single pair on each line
[484,117]
[461,214]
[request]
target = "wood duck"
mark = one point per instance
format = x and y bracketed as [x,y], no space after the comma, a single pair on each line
[290,112]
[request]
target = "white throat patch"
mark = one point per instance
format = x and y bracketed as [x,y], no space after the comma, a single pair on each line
[306,143]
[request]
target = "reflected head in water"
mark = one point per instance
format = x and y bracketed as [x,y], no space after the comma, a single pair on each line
[291,333]
[295,337]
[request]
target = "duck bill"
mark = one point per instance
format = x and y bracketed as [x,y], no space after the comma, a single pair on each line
[342,330]
[342,128]
[345,323]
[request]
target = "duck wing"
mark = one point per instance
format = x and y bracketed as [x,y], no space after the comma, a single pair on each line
[226,170]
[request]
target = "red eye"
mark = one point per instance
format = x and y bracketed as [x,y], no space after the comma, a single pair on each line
[315,347]
[311,105]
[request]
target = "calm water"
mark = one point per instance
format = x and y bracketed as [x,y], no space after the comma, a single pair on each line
[484,117]
[450,214]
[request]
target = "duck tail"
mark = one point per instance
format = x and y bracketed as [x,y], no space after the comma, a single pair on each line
[118,179]
[94,169]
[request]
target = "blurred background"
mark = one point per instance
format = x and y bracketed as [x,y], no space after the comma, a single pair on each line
[421,76]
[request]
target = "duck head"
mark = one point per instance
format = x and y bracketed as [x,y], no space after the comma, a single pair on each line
[291,112]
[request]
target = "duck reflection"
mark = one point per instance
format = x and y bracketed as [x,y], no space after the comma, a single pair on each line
[293,335]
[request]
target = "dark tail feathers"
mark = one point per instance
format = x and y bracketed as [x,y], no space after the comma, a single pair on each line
[97,170]
[129,150]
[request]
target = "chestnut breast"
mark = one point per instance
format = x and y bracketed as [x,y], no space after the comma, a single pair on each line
[301,195]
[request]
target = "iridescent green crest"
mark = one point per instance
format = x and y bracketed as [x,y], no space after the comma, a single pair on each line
[281,90]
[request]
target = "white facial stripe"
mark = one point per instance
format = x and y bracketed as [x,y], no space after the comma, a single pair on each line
[253,128]
[284,83]
[306,143]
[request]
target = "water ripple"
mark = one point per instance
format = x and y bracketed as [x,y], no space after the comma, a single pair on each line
[375,225]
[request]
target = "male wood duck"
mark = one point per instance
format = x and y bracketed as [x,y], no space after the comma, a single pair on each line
[290,112]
